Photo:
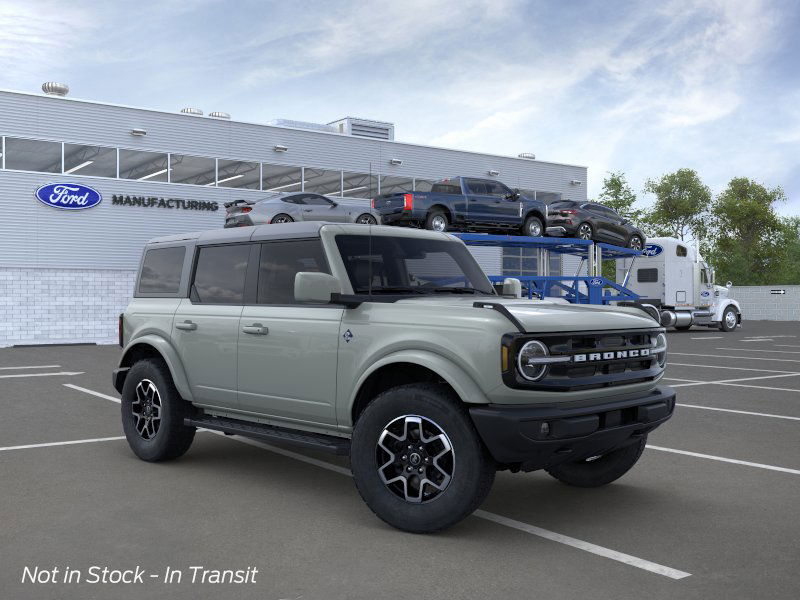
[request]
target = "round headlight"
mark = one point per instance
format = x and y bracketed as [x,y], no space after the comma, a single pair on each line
[527,363]
[660,345]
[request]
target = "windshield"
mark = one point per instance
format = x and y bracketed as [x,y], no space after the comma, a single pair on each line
[404,265]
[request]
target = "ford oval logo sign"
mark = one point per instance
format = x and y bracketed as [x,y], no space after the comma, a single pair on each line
[596,281]
[705,293]
[652,250]
[68,196]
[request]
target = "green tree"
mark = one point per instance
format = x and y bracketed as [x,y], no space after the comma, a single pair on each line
[617,194]
[681,206]
[750,243]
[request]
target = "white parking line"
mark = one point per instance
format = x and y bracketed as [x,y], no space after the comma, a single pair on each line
[747,358]
[708,337]
[31,367]
[727,381]
[787,345]
[15,375]
[759,340]
[727,460]
[749,350]
[673,364]
[740,412]
[92,392]
[69,443]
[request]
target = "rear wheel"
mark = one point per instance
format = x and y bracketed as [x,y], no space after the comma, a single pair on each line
[153,413]
[282,218]
[436,220]
[635,243]
[596,471]
[729,320]
[367,219]
[417,460]
[584,232]
[533,227]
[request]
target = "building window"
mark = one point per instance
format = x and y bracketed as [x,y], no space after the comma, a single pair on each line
[97,161]
[238,174]
[423,185]
[322,181]
[143,166]
[194,170]
[359,185]
[33,155]
[279,178]
[396,185]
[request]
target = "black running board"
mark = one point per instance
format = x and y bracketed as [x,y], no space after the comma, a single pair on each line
[270,433]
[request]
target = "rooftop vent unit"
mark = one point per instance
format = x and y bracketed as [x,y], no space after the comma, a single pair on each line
[302,125]
[51,88]
[376,130]
[192,111]
[527,155]
[219,115]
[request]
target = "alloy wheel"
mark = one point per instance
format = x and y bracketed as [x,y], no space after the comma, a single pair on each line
[367,220]
[534,229]
[635,243]
[415,458]
[282,219]
[585,231]
[146,409]
[730,319]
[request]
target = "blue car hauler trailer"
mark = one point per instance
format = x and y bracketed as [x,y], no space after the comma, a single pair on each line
[591,288]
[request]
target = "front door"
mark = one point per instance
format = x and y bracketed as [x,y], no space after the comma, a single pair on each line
[288,351]
[320,208]
[206,325]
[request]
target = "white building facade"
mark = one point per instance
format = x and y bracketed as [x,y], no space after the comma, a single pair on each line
[65,275]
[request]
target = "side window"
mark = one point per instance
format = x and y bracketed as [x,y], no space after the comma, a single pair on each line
[446,188]
[280,262]
[495,188]
[647,275]
[681,250]
[476,186]
[294,199]
[161,270]
[704,276]
[316,200]
[220,272]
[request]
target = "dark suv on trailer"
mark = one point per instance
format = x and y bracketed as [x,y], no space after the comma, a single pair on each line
[592,221]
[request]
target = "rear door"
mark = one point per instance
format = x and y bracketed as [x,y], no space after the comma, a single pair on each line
[288,351]
[206,325]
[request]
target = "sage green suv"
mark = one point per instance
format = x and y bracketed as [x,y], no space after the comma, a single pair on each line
[388,345]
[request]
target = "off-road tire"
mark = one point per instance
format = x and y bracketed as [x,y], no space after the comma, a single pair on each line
[435,216]
[172,438]
[723,325]
[600,471]
[473,468]
[530,223]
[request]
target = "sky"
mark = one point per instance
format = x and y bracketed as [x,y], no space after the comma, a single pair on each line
[639,87]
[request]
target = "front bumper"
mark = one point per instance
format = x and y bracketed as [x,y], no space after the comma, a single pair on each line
[534,437]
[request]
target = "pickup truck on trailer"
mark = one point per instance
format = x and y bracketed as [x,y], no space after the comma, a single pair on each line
[348,339]
[465,203]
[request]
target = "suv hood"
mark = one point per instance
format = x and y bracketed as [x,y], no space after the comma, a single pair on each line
[542,315]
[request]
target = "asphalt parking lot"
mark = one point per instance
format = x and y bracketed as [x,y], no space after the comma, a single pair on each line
[710,511]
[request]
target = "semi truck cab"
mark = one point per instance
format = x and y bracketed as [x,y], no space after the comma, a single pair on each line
[672,276]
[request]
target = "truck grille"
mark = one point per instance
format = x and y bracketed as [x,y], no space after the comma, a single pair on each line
[603,359]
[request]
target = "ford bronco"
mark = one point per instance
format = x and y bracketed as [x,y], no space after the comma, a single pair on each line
[390,346]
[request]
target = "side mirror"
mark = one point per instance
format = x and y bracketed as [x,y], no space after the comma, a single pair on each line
[512,287]
[315,287]
[729,285]
[334,204]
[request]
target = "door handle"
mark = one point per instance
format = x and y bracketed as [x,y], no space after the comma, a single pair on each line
[255,329]
[186,326]
[308,210]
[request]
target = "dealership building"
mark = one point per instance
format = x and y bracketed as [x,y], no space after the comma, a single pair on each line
[65,275]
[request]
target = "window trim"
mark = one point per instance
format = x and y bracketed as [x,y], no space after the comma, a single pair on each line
[194,298]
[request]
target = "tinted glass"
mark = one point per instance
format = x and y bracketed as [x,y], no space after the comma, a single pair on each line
[196,170]
[144,166]
[408,265]
[279,178]
[681,251]
[446,188]
[161,271]
[360,185]
[280,262]
[476,187]
[647,275]
[495,188]
[90,160]
[220,272]
[33,155]
[238,174]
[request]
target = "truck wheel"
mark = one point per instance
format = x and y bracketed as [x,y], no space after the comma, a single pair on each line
[417,460]
[153,413]
[436,220]
[533,227]
[599,470]
[729,320]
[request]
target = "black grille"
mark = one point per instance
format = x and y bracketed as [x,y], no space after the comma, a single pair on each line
[605,365]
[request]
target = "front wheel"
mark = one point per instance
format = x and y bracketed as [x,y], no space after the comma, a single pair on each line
[596,471]
[533,227]
[417,460]
[153,413]
[729,320]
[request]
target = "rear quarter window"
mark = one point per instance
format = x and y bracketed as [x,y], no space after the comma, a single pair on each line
[161,270]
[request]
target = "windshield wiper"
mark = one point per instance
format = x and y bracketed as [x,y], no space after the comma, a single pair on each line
[459,290]
[391,290]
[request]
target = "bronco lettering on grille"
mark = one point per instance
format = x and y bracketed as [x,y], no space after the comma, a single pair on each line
[595,356]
